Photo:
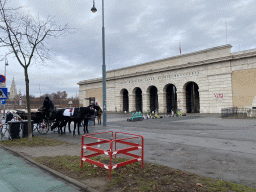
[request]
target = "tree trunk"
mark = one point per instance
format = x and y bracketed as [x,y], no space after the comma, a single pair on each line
[28,104]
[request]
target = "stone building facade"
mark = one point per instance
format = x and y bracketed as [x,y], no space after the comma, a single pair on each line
[200,82]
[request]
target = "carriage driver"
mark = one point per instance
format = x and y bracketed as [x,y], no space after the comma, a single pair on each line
[48,106]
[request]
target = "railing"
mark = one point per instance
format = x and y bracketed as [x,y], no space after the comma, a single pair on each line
[234,112]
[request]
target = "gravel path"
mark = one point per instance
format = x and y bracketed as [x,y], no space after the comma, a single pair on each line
[60,150]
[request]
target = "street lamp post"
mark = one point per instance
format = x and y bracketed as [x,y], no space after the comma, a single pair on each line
[93,9]
[6,64]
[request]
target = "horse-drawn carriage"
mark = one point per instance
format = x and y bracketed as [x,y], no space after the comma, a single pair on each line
[41,123]
[58,119]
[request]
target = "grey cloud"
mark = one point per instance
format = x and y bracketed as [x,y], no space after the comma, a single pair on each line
[136,32]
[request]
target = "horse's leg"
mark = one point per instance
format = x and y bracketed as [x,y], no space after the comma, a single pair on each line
[60,127]
[63,125]
[86,124]
[74,127]
[78,125]
[69,122]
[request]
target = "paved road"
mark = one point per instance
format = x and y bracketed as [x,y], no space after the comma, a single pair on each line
[199,143]
[19,175]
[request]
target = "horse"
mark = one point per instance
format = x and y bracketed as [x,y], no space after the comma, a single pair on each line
[60,120]
[77,115]
[84,113]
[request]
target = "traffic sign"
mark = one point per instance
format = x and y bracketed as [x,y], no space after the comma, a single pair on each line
[3,101]
[3,93]
[2,79]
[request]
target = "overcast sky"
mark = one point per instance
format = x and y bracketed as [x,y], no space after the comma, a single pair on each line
[136,32]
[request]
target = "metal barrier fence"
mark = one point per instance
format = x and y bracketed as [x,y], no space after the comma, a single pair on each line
[110,152]
[234,112]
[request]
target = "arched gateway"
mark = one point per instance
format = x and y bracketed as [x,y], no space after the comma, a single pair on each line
[171,98]
[138,99]
[192,98]
[153,98]
[125,99]
[188,82]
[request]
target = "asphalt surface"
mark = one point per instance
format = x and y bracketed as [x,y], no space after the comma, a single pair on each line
[200,143]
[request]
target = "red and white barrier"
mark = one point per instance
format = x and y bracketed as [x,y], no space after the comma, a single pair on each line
[110,152]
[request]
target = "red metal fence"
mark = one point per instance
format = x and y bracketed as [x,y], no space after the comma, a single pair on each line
[110,152]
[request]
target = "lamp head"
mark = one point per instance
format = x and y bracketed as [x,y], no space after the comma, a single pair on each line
[93,9]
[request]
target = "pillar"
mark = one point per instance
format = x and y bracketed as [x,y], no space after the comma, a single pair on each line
[120,105]
[145,101]
[181,101]
[161,102]
[131,102]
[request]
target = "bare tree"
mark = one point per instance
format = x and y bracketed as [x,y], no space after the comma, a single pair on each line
[25,37]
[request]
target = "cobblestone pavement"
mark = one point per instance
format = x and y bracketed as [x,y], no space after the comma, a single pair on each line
[200,143]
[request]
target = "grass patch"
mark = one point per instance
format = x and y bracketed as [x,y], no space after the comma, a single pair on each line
[133,178]
[221,185]
[37,141]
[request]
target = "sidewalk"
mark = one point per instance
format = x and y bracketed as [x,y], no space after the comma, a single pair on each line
[20,173]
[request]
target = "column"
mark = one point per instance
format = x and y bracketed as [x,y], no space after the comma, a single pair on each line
[131,102]
[181,101]
[145,101]
[120,104]
[162,102]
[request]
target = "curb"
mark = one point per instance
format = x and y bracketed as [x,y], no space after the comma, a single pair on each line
[64,177]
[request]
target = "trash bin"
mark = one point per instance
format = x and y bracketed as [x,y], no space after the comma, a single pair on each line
[24,128]
[14,128]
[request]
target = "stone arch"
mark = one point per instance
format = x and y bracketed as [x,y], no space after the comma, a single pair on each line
[137,92]
[181,84]
[124,95]
[191,90]
[153,98]
[170,97]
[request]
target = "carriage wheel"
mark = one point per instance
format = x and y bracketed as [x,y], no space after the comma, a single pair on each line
[43,127]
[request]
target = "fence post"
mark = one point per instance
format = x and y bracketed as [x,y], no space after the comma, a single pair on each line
[82,150]
[110,157]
